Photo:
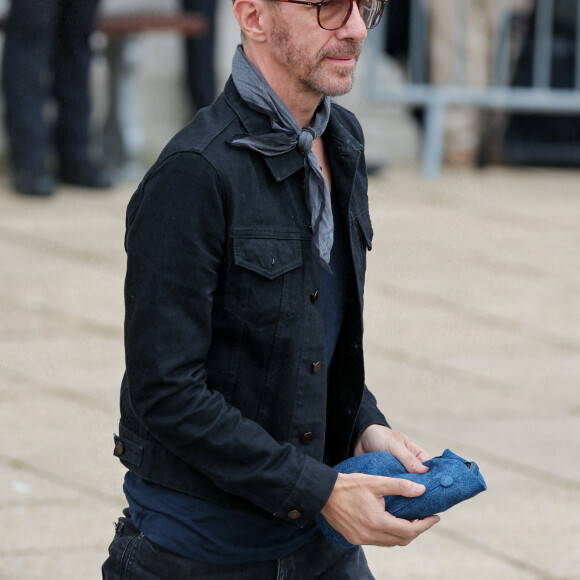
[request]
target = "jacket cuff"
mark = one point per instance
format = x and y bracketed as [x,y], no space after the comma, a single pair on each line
[309,495]
[369,414]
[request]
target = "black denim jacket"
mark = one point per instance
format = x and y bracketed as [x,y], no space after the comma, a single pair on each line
[225,394]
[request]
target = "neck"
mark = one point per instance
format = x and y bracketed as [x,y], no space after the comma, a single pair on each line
[303,111]
[302,103]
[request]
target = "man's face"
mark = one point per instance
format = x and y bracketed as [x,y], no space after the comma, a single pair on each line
[318,61]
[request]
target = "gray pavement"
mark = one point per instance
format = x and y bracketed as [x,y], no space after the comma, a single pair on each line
[472,343]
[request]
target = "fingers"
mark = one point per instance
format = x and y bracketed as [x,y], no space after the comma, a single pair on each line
[356,509]
[413,463]
[411,459]
[379,438]
[423,456]
[387,530]
[409,453]
[402,532]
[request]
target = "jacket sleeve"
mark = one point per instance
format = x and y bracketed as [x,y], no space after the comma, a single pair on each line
[369,414]
[176,232]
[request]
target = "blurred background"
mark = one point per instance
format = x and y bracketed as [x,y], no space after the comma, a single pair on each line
[471,111]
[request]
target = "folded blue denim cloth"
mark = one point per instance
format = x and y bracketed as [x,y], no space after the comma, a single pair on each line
[450,480]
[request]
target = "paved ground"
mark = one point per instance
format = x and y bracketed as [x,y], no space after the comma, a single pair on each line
[473,343]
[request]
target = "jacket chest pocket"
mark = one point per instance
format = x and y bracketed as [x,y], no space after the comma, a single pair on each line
[265,282]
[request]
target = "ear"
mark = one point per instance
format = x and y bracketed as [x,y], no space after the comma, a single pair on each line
[250,15]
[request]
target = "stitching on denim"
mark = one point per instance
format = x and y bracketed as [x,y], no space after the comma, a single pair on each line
[129,553]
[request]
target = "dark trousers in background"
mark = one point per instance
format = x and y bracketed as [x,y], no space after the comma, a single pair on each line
[47,54]
[200,56]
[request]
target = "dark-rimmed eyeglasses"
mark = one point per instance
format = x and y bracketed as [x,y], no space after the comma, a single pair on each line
[334,14]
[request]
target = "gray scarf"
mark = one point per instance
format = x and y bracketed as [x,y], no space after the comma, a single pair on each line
[288,134]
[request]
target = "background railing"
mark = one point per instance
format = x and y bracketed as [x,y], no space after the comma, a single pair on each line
[500,93]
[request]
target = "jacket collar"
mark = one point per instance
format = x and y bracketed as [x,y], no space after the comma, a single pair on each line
[281,166]
[344,152]
[343,149]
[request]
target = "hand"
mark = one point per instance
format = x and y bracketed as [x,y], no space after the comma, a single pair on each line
[356,509]
[381,438]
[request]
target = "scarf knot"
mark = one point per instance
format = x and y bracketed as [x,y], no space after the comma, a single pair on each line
[287,134]
[305,141]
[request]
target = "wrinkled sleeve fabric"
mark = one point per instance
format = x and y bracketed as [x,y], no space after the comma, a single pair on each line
[176,233]
[369,414]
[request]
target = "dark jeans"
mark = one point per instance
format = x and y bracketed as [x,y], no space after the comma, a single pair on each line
[132,555]
[47,55]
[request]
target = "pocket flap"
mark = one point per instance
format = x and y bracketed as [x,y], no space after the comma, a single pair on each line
[268,257]
[366,228]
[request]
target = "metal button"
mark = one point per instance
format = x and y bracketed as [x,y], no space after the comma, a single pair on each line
[314,296]
[307,437]
[119,449]
[295,514]
[316,366]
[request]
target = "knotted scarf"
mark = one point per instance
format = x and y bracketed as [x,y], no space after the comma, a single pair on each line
[286,135]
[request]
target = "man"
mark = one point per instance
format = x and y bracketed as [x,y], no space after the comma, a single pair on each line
[244,382]
[47,55]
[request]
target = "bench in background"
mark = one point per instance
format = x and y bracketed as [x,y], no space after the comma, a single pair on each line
[122,133]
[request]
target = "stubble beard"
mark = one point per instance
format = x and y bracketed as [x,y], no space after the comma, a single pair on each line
[312,75]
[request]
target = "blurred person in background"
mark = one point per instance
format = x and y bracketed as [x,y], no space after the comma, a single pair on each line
[461,47]
[47,58]
[200,56]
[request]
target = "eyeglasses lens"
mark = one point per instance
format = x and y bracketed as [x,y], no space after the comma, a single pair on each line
[371,12]
[334,14]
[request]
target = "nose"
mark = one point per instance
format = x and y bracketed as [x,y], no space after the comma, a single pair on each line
[355,27]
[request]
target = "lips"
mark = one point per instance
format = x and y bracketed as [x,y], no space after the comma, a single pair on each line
[346,62]
[347,53]
[343,57]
